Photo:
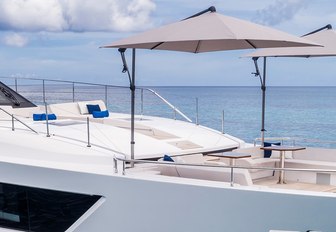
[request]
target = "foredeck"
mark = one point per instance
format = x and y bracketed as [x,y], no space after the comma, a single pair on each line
[272,182]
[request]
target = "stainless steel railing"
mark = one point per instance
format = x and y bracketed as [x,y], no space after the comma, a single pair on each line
[276,139]
[231,167]
[294,140]
[170,105]
[105,86]
[15,118]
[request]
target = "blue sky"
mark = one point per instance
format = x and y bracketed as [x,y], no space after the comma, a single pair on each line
[59,39]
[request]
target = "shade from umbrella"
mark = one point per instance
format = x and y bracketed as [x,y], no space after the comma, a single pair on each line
[210,32]
[326,37]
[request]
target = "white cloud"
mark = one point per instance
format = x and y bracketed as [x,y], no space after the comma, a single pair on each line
[31,15]
[280,11]
[15,40]
[109,15]
[75,15]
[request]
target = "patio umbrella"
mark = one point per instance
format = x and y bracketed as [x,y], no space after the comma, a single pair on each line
[325,36]
[203,32]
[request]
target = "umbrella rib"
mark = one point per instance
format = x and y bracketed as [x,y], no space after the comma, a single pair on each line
[198,46]
[250,43]
[156,45]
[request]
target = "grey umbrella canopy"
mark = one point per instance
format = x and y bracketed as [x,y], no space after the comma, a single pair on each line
[210,32]
[204,32]
[325,36]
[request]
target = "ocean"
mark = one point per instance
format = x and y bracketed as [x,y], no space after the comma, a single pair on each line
[304,114]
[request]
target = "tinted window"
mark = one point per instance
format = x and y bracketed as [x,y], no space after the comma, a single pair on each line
[41,210]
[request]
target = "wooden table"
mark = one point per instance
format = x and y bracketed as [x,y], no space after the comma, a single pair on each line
[232,156]
[282,150]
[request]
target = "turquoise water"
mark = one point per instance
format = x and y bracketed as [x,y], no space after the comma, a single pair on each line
[305,113]
[302,112]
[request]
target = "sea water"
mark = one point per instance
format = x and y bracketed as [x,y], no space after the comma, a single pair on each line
[306,114]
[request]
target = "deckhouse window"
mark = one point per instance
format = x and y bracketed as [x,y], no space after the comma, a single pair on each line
[40,210]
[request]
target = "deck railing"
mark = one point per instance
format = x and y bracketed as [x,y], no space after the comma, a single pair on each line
[13,119]
[106,87]
[293,141]
[231,167]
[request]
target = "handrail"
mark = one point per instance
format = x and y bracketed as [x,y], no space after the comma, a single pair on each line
[63,81]
[294,140]
[19,120]
[176,110]
[169,104]
[232,167]
[282,139]
[224,166]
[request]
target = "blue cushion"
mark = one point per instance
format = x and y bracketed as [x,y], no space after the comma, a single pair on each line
[50,117]
[42,117]
[167,158]
[100,114]
[37,117]
[92,108]
[267,154]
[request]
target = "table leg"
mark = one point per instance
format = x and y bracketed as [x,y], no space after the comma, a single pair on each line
[282,165]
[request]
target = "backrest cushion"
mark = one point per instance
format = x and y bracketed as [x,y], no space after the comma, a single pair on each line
[267,154]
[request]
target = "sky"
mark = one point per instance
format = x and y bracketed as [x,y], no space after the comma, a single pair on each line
[60,39]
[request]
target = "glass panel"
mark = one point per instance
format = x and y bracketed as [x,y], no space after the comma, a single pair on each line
[33,209]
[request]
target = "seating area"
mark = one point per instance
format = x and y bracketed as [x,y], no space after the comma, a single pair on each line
[241,176]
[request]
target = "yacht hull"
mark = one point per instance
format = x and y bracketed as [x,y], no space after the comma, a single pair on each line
[154,203]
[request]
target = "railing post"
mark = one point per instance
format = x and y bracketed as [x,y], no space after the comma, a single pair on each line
[88,131]
[232,180]
[43,91]
[106,95]
[223,122]
[16,89]
[115,162]
[197,111]
[47,121]
[142,102]
[73,91]
[13,122]
[124,167]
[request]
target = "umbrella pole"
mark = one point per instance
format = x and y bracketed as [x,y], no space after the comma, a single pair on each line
[132,87]
[263,88]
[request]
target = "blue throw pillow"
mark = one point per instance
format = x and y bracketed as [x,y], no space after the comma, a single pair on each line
[100,114]
[167,158]
[92,108]
[267,154]
[52,117]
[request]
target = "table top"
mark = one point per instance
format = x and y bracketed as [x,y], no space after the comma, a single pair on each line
[232,155]
[282,148]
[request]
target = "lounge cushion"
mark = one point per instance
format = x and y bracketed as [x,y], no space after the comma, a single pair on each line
[267,154]
[100,114]
[43,117]
[92,108]
[37,117]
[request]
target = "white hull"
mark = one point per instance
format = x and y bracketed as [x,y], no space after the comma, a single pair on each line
[146,203]
[146,199]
